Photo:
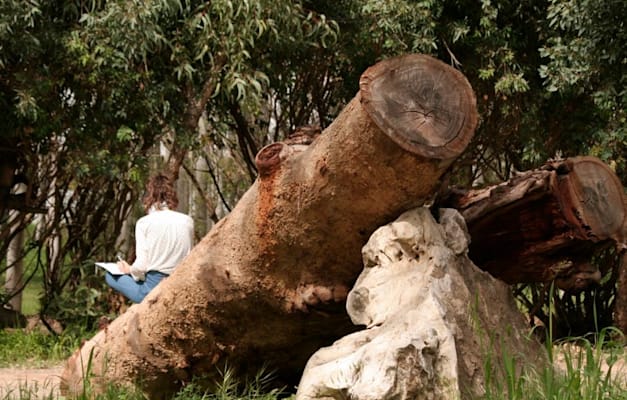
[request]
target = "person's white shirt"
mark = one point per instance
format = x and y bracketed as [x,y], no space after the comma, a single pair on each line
[162,239]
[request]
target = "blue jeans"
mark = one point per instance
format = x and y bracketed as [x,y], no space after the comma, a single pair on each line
[134,290]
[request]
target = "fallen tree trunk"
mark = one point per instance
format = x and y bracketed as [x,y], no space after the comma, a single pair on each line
[544,225]
[268,283]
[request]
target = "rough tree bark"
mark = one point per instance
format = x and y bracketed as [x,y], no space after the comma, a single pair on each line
[268,283]
[543,225]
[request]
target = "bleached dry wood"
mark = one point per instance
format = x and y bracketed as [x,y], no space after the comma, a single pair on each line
[430,320]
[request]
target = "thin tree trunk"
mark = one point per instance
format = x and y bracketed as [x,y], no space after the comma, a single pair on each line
[267,285]
[15,273]
[52,218]
[123,241]
[183,193]
[200,203]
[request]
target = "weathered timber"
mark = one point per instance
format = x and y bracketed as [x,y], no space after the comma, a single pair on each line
[544,224]
[268,283]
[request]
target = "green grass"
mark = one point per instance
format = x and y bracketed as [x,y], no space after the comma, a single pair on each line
[19,349]
[578,370]
[39,391]
[585,373]
[229,388]
[30,296]
[34,349]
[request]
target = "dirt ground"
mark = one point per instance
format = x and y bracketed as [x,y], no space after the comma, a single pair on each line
[25,382]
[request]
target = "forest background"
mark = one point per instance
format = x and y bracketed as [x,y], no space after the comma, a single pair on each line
[97,95]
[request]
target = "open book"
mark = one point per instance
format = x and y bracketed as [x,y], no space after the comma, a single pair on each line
[111,267]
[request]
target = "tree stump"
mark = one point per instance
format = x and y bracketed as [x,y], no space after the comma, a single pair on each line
[267,285]
[431,320]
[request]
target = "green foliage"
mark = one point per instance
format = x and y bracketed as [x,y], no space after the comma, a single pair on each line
[585,55]
[172,54]
[401,26]
[82,308]
[144,67]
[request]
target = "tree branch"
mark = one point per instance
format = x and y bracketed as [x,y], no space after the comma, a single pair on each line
[196,184]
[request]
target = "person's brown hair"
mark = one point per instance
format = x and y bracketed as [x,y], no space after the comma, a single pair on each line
[159,192]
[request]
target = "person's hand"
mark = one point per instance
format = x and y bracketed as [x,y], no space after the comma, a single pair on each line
[124,266]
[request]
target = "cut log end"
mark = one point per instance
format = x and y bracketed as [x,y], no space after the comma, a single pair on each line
[594,196]
[424,105]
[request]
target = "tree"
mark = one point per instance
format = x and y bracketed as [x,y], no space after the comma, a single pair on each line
[57,138]
[584,56]
[114,80]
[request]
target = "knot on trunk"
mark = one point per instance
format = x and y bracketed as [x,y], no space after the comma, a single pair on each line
[269,158]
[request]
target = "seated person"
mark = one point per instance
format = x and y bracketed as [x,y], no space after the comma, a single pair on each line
[163,238]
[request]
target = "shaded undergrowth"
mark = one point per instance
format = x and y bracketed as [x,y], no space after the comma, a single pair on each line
[578,369]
